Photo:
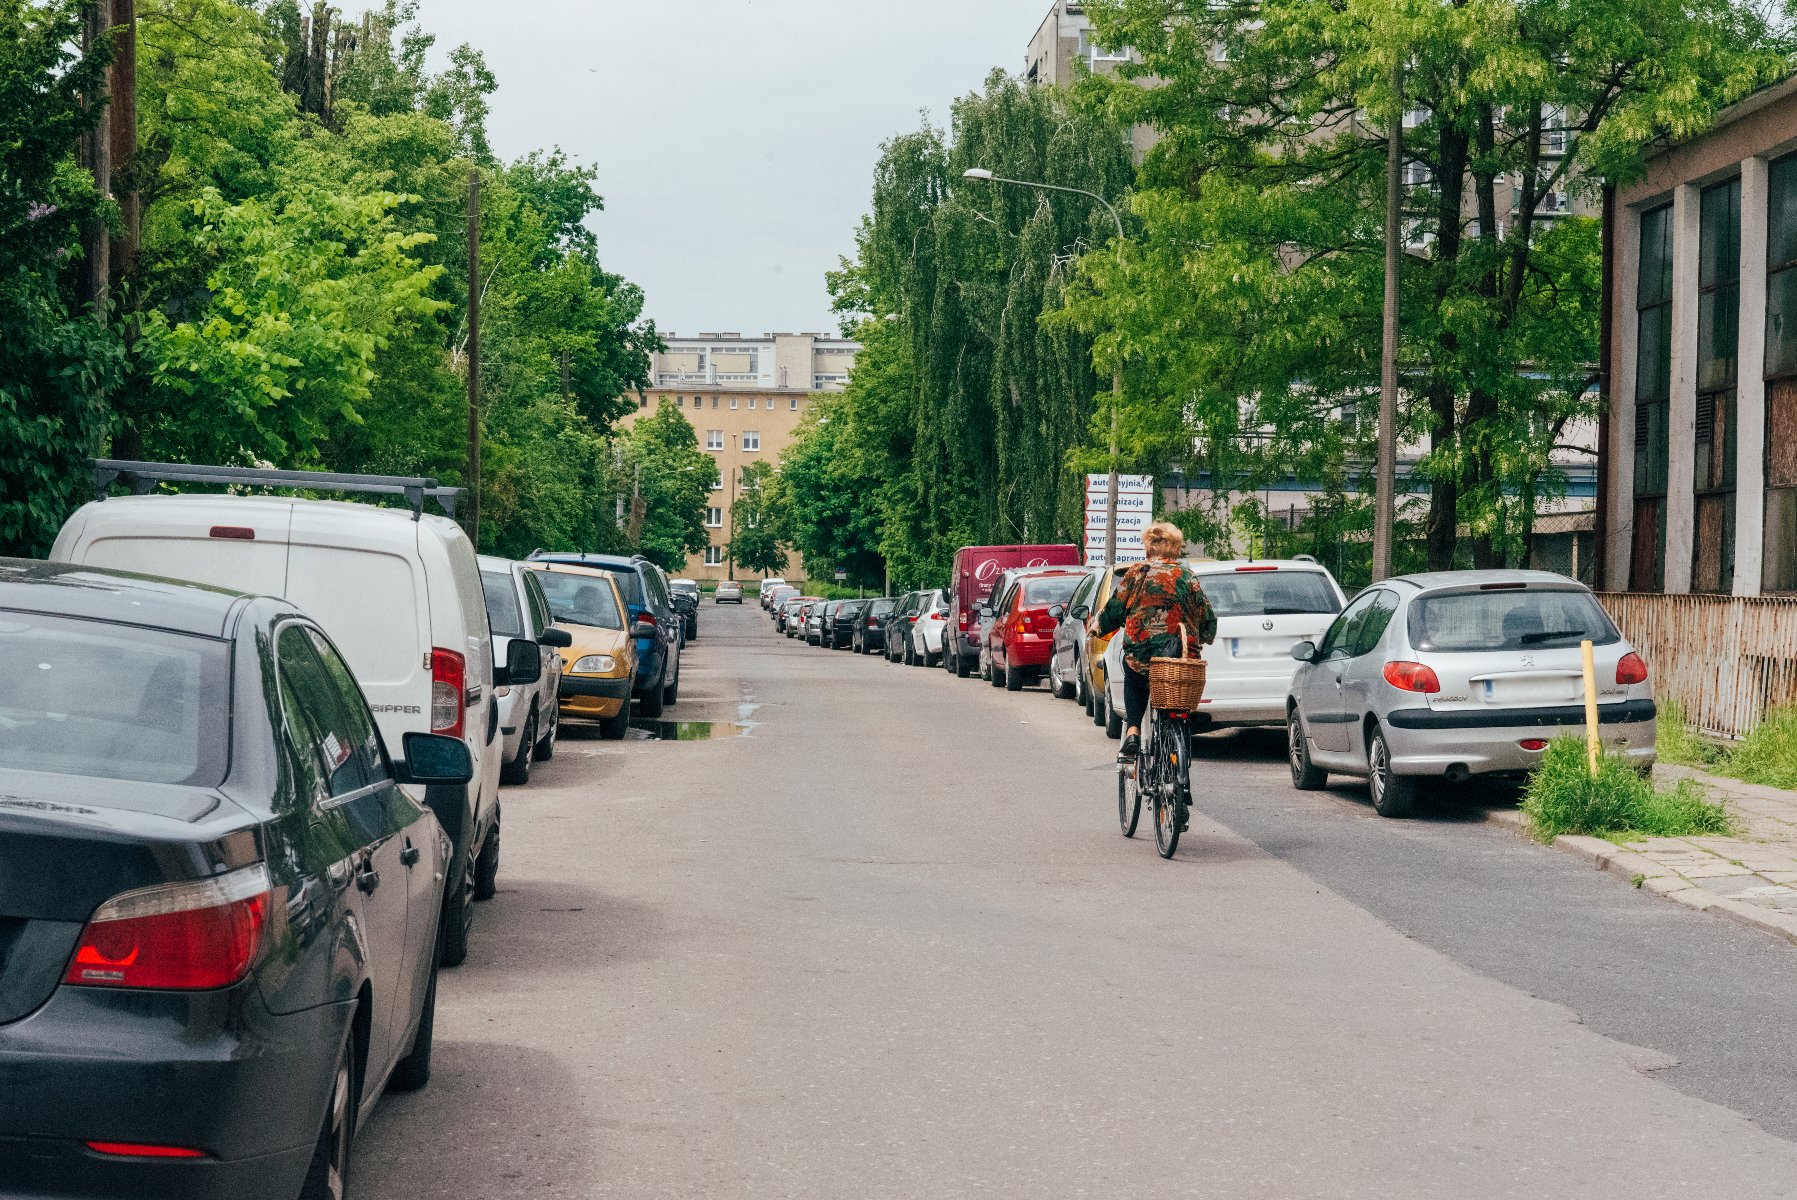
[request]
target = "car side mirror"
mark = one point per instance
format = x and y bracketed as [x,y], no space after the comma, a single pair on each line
[556,639]
[432,758]
[644,629]
[1082,612]
[1305,652]
[523,664]
[1057,611]
[985,610]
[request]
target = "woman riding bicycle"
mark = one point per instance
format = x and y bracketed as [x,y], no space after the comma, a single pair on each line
[1150,603]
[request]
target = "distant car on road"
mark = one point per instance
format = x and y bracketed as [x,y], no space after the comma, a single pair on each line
[769,586]
[221,895]
[898,625]
[729,592]
[869,633]
[685,595]
[841,632]
[1457,674]
[923,648]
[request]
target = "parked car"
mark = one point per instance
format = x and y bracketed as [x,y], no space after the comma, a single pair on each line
[869,633]
[786,613]
[924,645]
[772,598]
[1091,694]
[729,592]
[398,592]
[971,576]
[986,615]
[1065,671]
[898,625]
[649,610]
[685,595]
[798,614]
[841,632]
[599,663]
[1020,628]
[529,714]
[769,586]
[1263,608]
[818,621]
[196,1001]
[1459,674]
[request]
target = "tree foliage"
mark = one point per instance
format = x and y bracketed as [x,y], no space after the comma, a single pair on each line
[758,521]
[673,480]
[1251,301]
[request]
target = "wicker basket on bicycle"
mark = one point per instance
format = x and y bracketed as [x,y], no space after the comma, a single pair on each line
[1177,683]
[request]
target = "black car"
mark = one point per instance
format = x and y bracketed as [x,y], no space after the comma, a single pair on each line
[219,896]
[870,628]
[840,632]
[685,595]
[892,641]
[654,623]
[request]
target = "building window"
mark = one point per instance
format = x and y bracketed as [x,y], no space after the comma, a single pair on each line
[1780,545]
[714,556]
[795,404]
[733,402]
[1718,337]
[751,439]
[714,401]
[714,439]
[679,401]
[751,403]
[1653,400]
[714,517]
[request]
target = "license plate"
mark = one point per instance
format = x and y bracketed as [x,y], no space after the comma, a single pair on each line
[1533,689]
[1261,647]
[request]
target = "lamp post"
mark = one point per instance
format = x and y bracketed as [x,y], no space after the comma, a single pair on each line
[1110,518]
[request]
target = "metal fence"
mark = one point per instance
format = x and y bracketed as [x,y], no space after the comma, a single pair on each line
[1565,543]
[1727,659]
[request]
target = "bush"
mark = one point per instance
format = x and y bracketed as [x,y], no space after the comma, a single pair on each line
[1563,797]
[1677,743]
[1768,754]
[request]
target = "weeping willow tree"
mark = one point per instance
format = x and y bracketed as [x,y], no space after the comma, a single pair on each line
[964,434]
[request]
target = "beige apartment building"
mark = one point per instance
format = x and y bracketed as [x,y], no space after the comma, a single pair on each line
[744,397]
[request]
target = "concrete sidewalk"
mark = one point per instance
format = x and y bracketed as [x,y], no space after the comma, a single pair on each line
[1751,878]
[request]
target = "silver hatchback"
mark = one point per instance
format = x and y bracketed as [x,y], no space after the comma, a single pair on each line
[1457,674]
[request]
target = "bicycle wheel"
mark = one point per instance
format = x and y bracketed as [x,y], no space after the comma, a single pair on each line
[1129,796]
[1170,791]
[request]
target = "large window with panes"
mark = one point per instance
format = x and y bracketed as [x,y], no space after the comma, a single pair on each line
[1653,399]
[1718,339]
[1780,570]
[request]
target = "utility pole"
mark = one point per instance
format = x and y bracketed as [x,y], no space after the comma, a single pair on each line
[474,356]
[122,120]
[1385,488]
[96,153]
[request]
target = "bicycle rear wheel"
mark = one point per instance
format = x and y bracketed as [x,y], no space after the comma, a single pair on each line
[1129,796]
[1172,795]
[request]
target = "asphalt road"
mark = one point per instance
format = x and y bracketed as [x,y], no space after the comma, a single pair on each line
[885,941]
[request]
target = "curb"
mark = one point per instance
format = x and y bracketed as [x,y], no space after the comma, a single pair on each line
[1646,874]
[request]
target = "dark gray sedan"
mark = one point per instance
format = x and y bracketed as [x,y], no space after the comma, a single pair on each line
[219,898]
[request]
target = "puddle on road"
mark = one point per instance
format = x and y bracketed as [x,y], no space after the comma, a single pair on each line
[688,731]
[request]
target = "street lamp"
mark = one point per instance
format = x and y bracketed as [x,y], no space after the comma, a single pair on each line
[1110,520]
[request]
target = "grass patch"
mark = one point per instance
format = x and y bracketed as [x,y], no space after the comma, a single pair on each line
[1563,797]
[1768,754]
[1676,743]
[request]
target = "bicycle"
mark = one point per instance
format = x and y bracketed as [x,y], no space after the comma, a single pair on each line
[1161,770]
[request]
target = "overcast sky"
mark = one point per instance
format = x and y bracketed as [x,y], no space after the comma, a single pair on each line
[735,139]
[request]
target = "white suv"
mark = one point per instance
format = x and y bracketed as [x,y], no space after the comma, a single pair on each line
[397,590]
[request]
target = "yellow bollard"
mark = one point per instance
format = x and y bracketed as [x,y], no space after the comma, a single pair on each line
[1591,739]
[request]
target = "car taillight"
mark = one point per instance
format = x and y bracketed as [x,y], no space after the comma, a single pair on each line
[1253,570]
[871,622]
[1631,669]
[911,620]
[1411,677]
[1533,744]
[646,618]
[175,936]
[141,1150]
[449,695]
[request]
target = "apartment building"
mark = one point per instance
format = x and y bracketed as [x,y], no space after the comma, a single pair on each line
[1063,49]
[1699,454]
[744,397]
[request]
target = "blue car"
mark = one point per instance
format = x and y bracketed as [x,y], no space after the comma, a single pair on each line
[655,624]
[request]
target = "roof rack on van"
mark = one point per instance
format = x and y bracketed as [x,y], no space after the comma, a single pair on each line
[141,477]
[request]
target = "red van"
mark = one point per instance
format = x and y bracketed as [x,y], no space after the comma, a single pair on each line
[970,580]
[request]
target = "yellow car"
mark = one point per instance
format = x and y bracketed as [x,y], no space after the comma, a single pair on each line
[599,668]
[1093,661]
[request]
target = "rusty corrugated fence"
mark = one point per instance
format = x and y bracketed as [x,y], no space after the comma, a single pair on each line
[1726,658]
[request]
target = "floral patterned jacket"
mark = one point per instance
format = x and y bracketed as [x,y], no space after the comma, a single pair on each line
[1150,604]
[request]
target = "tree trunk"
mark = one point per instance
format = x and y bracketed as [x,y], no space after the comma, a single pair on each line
[1444,488]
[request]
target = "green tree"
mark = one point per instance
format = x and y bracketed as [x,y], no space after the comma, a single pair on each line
[758,521]
[57,365]
[1252,300]
[673,480]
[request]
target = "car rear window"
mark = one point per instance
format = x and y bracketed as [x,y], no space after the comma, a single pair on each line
[503,611]
[1269,593]
[111,701]
[1055,589]
[1508,620]
[580,600]
[881,607]
[629,582]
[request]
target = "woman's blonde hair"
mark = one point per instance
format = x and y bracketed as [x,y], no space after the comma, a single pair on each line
[1164,540]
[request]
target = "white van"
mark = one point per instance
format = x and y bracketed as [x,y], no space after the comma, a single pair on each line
[397,590]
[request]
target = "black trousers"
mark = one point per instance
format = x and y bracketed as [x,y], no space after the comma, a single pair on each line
[1135,696]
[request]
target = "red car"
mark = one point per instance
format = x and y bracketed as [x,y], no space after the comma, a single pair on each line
[971,580]
[1019,632]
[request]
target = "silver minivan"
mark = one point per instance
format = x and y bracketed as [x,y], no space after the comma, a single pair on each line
[1456,674]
